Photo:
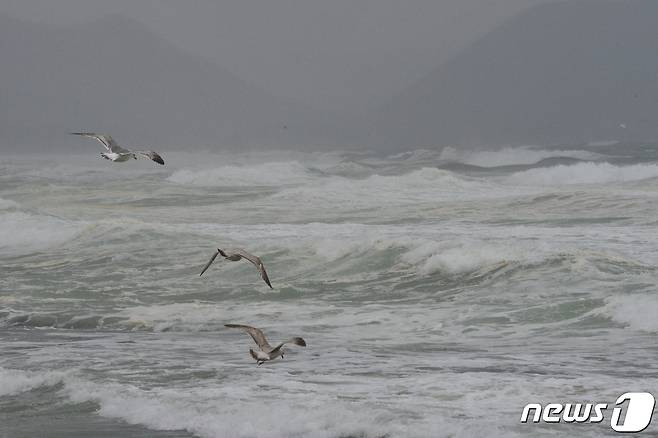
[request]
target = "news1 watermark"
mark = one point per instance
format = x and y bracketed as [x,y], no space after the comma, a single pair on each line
[631,412]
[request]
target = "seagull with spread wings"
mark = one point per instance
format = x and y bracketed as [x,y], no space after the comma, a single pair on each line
[265,351]
[239,254]
[115,152]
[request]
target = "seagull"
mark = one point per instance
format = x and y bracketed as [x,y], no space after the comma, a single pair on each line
[265,352]
[115,152]
[236,255]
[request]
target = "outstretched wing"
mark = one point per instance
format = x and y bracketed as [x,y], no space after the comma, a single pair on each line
[105,140]
[151,155]
[256,334]
[296,340]
[212,259]
[257,263]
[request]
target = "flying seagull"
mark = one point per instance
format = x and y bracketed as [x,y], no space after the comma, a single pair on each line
[117,153]
[237,254]
[265,351]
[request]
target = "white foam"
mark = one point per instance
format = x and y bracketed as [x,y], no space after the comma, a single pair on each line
[636,311]
[458,257]
[266,174]
[16,381]
[192,316]
[232,411]
[355,241]
[7,204]
[425,184]
[415,155]
[510,155]
[22,232]
[584,173]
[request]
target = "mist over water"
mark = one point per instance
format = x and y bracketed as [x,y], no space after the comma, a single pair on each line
[438,291]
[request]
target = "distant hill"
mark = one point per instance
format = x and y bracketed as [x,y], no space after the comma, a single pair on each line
[115,76]
[570,71]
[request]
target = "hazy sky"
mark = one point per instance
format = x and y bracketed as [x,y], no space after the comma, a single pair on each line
[338,54]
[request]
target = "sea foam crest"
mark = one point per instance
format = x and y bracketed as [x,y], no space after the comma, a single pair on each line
[7,204]
[22,232]
[16,381]
[463,257]
[510,155]
[425,184]
[585,173]
[205,413]
[635,311]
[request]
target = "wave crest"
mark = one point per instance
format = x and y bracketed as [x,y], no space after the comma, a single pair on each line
[636,311]
[510,156]
[16,381]
[584,173]
[203,412]
[425,184]
[23,232]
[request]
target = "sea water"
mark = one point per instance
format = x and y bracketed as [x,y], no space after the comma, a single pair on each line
[439,292]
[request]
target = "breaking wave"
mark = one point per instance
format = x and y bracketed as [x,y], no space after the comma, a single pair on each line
[511,156]
[425,184]
[23,231]
[635,311]
[584,173]
[13,382]
[204,413]
[6,204]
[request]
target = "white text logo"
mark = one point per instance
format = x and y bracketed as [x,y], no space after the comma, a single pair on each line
[632,412]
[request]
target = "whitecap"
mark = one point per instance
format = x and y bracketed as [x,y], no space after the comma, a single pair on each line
[510,155]
[425,184]
[23,232]
[635,311]
[584,173]
[16,381]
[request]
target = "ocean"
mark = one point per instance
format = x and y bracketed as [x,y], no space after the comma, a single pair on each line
[438,292]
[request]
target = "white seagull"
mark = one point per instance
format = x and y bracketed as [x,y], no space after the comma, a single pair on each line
[265,351]
[238,254]
[115,152]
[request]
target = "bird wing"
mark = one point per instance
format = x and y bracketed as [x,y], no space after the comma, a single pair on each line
[151,155]
[105,140]
[256,334]
[212,259]
[257,263]
[296,340]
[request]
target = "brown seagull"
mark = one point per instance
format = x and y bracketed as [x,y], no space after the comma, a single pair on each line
[265,351]
[238,254]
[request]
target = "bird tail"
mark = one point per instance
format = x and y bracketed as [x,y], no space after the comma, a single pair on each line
[296,340]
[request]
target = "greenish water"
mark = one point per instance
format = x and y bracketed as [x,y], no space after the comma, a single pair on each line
[438,293]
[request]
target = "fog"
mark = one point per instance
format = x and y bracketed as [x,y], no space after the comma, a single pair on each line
[340,74]
[340,54]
